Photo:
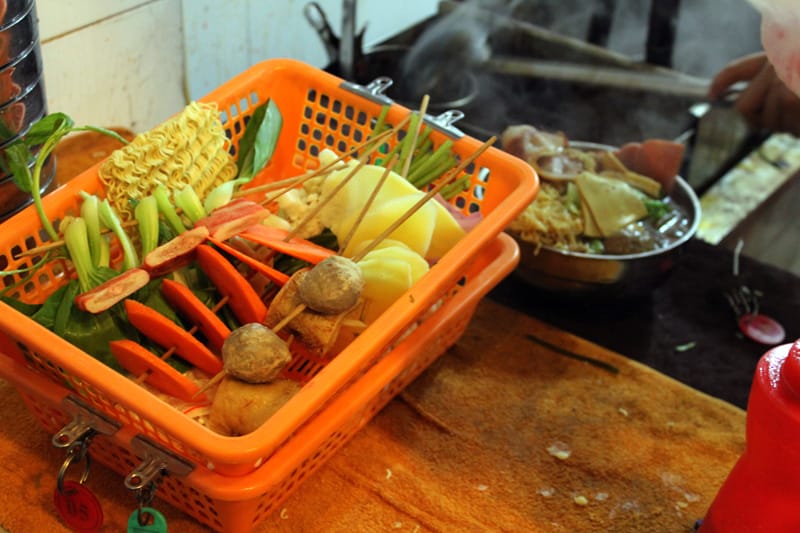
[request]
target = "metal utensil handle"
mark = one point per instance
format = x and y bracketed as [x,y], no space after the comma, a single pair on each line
[319,21]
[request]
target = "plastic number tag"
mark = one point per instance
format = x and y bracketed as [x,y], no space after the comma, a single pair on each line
[147,520]
[78,507]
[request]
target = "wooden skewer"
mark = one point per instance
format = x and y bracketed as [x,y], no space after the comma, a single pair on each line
[279,326]
[362,160]
[166,355]
[329,166]
[368,204]
[422,110]
[326,200]
[58,244]
[288,182]
[430,194]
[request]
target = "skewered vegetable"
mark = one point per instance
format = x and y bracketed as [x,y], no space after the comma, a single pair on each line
[242,298]
[188,304]
[170,335]
[140,361]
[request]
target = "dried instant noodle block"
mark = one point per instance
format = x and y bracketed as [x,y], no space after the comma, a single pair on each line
[189,149]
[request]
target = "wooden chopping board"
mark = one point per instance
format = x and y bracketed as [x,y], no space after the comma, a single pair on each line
[502,433]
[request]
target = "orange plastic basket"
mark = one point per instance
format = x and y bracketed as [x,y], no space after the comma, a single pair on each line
[240,503]
[319,111]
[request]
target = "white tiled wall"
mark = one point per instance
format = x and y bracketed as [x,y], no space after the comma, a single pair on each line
[133,63]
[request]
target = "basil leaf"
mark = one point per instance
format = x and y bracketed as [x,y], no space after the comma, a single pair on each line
[258,142]
[18,156]
[42,129]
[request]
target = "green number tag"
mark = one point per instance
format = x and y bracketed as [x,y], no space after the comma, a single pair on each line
[154,522]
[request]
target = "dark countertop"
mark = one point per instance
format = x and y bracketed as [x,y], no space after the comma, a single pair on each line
[688,307]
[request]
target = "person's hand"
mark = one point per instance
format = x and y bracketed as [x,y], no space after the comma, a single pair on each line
[766,102]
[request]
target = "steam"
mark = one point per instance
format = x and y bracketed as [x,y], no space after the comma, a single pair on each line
[447,58]
[444,58]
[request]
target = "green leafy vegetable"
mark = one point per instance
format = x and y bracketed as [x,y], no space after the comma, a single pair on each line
[111,221]
[91,216]
[166,208]
[77,242]
[259,140]
[146,214]
[656,209]
[187,201]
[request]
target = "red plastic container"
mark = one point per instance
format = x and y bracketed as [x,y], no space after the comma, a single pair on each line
[762,491]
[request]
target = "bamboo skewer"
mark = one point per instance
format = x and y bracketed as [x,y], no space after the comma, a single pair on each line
[362,160]
[167,354]
[222,373]
[450,176]
[430,194]
[328,167]
[423,108]
[58,244]
[368,204]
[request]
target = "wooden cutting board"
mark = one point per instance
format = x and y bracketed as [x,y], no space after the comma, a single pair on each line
[503,433]
[519,427]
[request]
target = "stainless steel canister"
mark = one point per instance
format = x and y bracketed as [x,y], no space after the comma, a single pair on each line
[22,95]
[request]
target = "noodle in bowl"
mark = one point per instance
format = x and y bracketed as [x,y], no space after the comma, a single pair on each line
[555,269]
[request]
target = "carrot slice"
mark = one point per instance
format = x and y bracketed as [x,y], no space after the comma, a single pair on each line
[168,334]
[187,303]
[275,238]
[243,299]
[139,361]
[275,275]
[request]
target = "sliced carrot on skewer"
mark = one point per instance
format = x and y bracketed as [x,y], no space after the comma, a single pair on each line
[243,299]
[139,361]
[262,268]
[276,239]
[187,303]
[168,334]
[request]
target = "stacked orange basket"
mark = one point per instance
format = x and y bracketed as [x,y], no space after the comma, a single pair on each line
[235,482]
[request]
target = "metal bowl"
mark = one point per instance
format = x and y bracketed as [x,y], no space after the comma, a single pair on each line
[606,276]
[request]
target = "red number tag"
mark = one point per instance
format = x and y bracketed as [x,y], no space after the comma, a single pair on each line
[78,507]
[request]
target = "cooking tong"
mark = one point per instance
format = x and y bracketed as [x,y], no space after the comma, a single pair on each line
[344,52]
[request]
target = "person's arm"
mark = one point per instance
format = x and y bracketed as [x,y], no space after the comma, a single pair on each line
[766,102]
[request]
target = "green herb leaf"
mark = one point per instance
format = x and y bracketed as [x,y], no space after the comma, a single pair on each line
[656,208]
[41,130]
[18,156]
[259,140]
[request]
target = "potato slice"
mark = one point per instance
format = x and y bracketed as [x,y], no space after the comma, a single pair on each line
[416,231]
[343,210]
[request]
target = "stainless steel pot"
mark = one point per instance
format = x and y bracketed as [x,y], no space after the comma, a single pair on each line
[595,276]
[22,97]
